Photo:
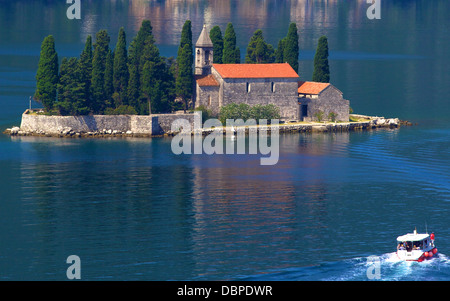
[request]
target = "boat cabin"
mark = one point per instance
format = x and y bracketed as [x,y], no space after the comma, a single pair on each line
[414,241]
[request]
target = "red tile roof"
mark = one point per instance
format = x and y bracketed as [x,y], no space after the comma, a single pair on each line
[311,87]
[255,70]
[206,80]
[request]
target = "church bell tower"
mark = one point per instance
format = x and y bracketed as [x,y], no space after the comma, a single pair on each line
[203,53]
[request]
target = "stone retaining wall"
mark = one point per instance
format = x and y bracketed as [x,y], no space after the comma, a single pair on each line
[156,124]
[160,124]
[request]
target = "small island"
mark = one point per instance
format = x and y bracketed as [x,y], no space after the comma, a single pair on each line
[135,92]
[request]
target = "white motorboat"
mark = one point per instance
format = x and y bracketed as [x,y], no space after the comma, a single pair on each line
[416,247]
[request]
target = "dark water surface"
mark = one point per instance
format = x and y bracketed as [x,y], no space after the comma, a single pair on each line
[132,210]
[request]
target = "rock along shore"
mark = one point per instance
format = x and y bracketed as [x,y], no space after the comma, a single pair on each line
[366,123]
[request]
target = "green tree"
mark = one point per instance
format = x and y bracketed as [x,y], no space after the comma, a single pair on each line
[85,74]
[321,68]
[71,89]
[150,77]
[279,53]
[186,39]
[101,50]
[64,87]
[121,75]
[234,111]
[134,61]
[185,80]
[109,86]
[185,59]
[47,74]
[216,37]
[258,51]
[291,49]
[231,53]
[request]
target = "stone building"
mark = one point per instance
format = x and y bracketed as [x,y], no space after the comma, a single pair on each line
[321,98]
[217,85]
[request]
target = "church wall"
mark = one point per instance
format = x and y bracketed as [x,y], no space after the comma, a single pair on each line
[208,96]
[280,92]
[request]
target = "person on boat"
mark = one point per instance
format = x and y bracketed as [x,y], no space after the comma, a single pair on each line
[401,246]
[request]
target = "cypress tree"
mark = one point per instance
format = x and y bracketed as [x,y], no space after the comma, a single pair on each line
[134,60]
[70,89]
[321,68]
[258,51]
[237,55]
[101,50]
[109,87]
[64,103]
[184,81]
[216,38]
[185,59]
[186,39]
[47,74]
[133,80]
[121,75]
[291,49]
[231,54]
[85,75]
[149,76]
[279,53]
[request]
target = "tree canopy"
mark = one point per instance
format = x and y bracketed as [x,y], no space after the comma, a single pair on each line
[258,51]
[291,48]
[231,53]
[321,68]
[215,35]
[47,74]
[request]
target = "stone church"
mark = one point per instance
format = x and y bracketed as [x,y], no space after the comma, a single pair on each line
[217,85]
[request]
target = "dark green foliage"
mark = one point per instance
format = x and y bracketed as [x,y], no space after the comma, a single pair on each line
[321,68]
[186,39]
[216,37]
[102,81]
[185,79]
[258,51]
[109,87]
[279,53]
[268,112]
[121,110]
[291,49]
[134,62]
[101,50]
[121,75]
[71,90]
[85,72]
[231,54]
[206,113]
[47,74]
[150,78]
[244,111]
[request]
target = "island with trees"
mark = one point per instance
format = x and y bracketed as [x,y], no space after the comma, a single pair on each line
[136,80]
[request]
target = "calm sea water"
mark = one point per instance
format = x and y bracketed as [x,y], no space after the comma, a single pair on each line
[132,210]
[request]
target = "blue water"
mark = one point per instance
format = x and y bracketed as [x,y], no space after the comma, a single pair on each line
[132,210]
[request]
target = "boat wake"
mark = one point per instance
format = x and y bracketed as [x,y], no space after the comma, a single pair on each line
[388,266]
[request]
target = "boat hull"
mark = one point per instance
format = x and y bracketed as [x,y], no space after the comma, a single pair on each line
[416,255]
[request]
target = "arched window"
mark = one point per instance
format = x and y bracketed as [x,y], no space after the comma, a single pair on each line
[273,87]
[248,87]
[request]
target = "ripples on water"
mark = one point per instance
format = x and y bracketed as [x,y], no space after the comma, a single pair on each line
[133,210]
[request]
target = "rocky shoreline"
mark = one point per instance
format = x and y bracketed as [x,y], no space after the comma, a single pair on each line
[369,123]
